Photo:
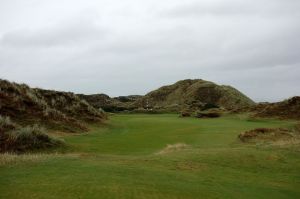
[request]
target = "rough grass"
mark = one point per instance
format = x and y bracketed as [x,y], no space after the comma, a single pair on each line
[9,159]
[13,159]
[53,109]
[268,134]
[5,121]
[287,109]
[173,148]
[22,139]
[120,161]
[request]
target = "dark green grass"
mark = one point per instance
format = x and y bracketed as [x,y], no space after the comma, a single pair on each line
[121,161]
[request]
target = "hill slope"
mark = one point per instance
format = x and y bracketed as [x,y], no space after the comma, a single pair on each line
[59,110]
[194,93]
[109,104]
[287,109]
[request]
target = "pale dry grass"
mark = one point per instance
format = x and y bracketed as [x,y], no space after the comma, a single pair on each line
[62,134]
[13,159]
[287,142]
[173,148]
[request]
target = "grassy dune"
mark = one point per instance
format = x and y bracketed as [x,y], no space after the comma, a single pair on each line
[158,156]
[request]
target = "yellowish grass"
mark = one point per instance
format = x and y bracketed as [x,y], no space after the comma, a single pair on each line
[287,142]
[12,158]
[61,134]
[173,148]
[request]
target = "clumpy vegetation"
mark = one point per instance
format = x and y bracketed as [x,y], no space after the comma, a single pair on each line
[30,108]
[58,110]
[267,134]
[6,124]
[208,114]
[18,139]
[287,109]
[115,105]
[185,113]
[72,106]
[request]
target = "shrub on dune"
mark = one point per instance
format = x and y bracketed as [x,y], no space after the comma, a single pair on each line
[13,139]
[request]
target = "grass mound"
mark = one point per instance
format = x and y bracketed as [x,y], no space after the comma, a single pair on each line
[267,134]
[21,139]
[208,114]
[287,109]
[195,94]
[52,109]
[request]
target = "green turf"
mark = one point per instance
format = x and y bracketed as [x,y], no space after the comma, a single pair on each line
[120,160]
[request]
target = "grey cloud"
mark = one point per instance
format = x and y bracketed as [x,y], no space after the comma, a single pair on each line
[61,35]
[252,45]
[271,8]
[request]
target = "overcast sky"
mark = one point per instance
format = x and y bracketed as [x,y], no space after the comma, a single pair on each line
[122,47]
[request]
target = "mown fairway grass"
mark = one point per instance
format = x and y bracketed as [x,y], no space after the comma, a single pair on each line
[123,160]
